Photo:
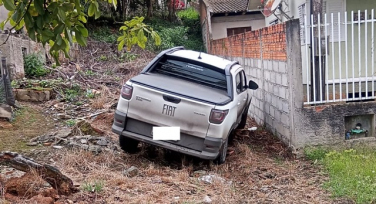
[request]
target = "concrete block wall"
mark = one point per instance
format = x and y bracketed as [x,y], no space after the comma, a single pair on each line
[264,55]
[277,98]
[12,50]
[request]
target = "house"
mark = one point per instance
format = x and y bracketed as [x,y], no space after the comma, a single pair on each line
[222,18]
[347,56]
[15,47]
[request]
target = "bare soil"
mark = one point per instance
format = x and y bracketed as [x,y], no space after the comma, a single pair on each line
[259,168]
[28,123]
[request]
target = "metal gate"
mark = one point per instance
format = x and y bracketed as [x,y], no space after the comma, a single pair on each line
[339,57]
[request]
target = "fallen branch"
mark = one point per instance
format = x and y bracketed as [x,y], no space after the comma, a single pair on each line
[57,71]
[92,115]
[52,175]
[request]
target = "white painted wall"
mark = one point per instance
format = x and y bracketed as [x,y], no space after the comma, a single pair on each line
[220,24]
[290,7]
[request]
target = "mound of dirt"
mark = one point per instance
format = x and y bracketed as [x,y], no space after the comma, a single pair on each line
[28,186]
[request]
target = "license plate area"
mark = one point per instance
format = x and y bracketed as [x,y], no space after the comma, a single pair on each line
[166,133]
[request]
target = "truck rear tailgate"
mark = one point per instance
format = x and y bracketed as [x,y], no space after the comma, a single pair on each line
[161,108]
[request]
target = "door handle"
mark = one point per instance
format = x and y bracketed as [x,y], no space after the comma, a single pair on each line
[171,99]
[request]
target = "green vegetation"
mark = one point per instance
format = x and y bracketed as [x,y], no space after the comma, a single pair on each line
[352,172]
[37,84]
[315,153]
[104,34]
[137,32]
[90,93]
[23,129]
[186,33]
[71,94]
[70,122]
[61,23]
[191,19]
[34,65]
[96,187]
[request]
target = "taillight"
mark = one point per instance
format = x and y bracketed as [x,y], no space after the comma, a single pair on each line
[217,116]
[126,92]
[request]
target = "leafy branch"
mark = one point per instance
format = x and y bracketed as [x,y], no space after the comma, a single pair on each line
[134,33]
[61,23]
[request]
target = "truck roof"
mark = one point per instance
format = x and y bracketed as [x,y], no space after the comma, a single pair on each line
[205,58]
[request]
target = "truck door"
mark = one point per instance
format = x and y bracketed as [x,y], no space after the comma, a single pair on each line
[241,92]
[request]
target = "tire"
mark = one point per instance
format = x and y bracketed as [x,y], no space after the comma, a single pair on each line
[222,153]
[128,145]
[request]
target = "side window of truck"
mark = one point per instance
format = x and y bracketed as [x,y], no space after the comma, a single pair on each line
[238,81]
[244,80]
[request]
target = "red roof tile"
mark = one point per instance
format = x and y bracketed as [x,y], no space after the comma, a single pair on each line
[225,6]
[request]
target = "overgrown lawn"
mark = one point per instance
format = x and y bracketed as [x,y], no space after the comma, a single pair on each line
[352,172]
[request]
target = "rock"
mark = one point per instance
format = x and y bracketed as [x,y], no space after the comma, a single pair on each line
[199,173]
[41,200]
[63,133]
[5,111]
[47,144]
[32,144]
[131,172]
[59,106]
[102,142]
[5,125]
[22,95]
[252,129]
[83,141]
[69,201]
[34,96]
[95,149]
[210,178]
[57,147]
[86,128]
[85,146]
[63,116]
[207,199]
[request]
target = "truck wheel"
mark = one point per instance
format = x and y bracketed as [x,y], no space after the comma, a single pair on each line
[128,145]
[222,153]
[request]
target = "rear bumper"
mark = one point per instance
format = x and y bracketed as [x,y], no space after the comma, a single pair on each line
[210,148]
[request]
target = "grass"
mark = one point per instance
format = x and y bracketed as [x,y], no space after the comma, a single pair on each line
[26,119]
[70,122]
[352,172]
[96,186]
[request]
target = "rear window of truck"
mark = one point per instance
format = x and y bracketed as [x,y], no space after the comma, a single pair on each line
[214,78]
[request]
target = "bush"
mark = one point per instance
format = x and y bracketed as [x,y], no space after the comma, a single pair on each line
[191,19]
[315,153]
[34,65]
[187,33]
[177,36]
[103,34]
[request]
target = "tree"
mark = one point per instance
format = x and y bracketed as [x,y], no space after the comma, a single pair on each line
[60,23]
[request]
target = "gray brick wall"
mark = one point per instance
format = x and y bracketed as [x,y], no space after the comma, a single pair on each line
[275,103]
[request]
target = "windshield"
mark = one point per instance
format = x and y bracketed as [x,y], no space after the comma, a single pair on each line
[192,72]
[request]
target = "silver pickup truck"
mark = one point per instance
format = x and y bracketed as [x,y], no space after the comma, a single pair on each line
[204,95]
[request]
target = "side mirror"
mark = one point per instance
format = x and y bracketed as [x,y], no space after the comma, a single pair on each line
[252,85]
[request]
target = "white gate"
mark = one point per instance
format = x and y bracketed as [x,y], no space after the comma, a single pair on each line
[341,48]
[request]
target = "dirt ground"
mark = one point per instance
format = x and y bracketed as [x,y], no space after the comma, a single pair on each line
[259,169]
